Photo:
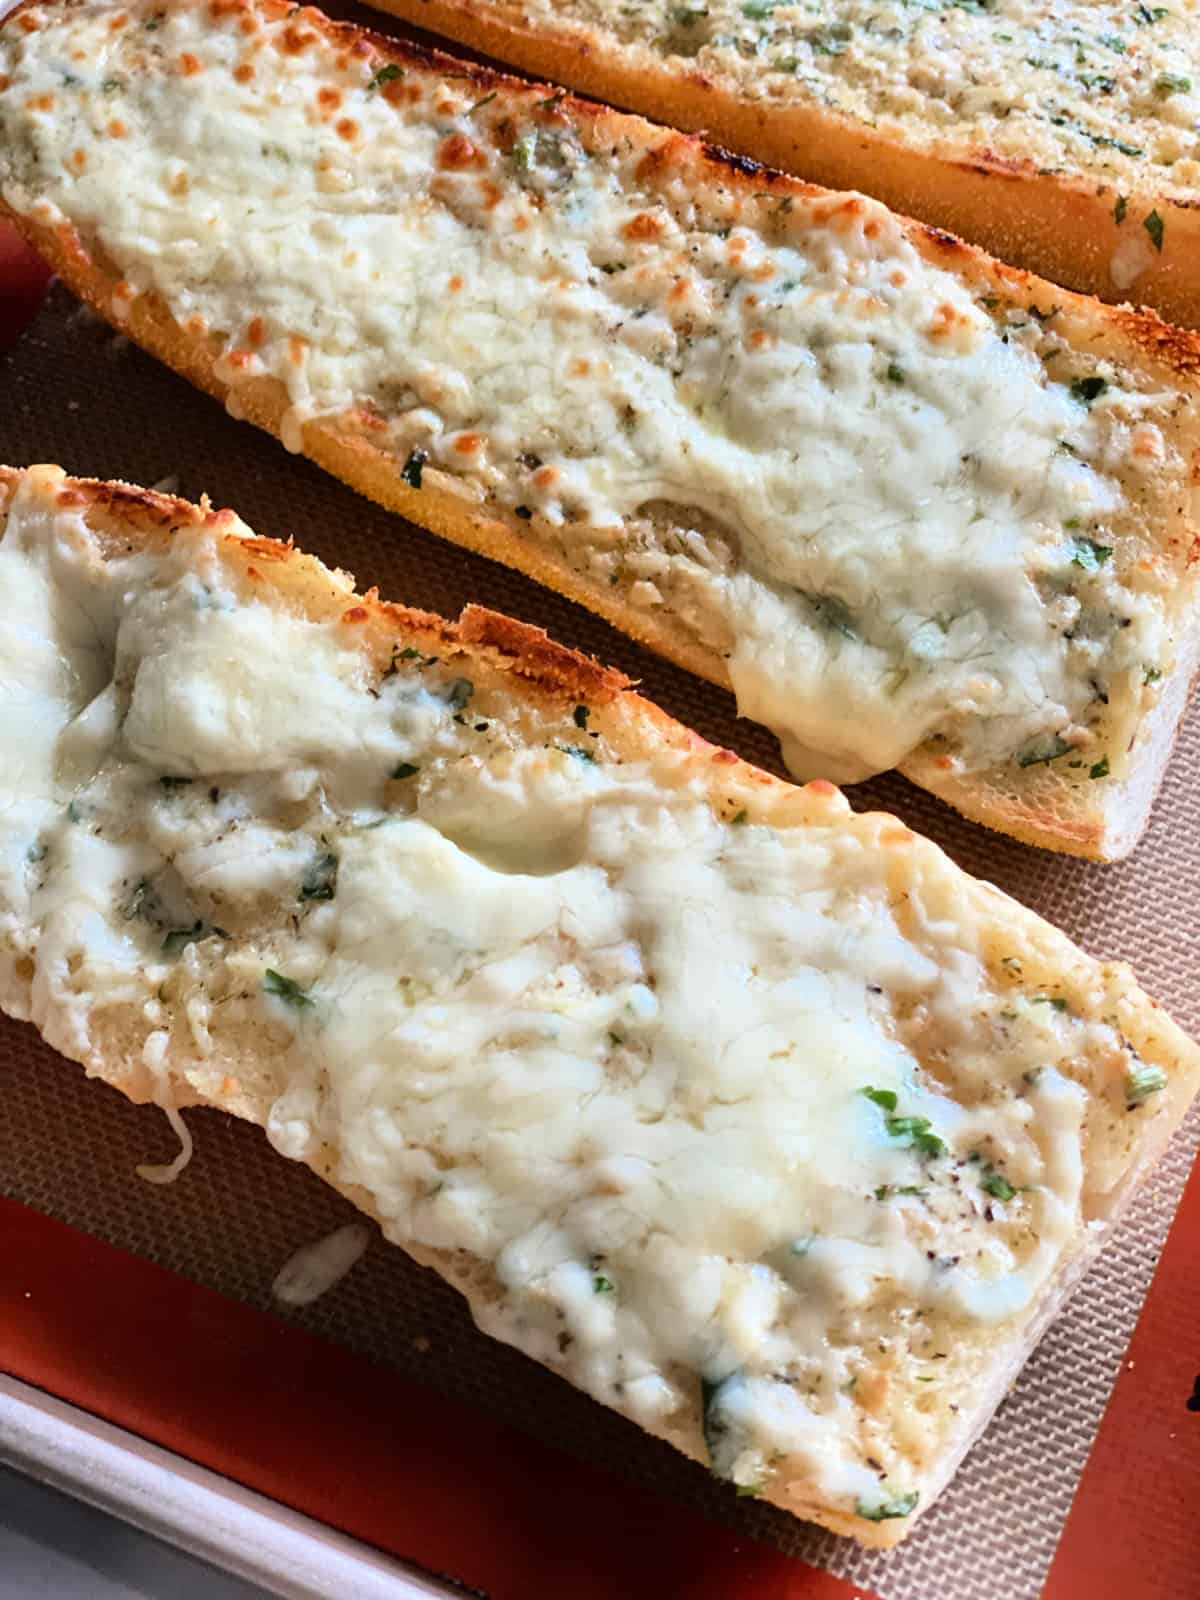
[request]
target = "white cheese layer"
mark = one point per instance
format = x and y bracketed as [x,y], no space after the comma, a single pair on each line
[922,510]
[653,1072]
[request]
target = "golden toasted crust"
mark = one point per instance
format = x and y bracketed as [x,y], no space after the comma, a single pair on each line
[1057,224]
[1034,805]
[244,1078]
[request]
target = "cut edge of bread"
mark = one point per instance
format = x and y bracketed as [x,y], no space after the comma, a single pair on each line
[1061,225]
[633,726]
[1035,805]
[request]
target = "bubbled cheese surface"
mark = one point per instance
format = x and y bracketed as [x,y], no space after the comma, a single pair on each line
[565,1018]
[907,518]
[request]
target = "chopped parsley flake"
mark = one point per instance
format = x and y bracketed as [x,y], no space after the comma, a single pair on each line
[1141,1082]
[1152,674]
[404,769]
[1037,755]
[1090,555]
[385,75]
[1153,225]
[917,1131]
[602,1285]
[1100,769]
[1120,210]
[580,716]
[882,1510]
[739,819]
[459,692]
[895,372]
[1055,1000]
[886,1099]
[914,1130]
[414,467]
[1170,83]
[286,989]
[997,1185]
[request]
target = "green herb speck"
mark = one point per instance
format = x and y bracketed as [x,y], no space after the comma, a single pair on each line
[459,692]
[1089,555]
[1153,225]
[385,75]
[414,467]
[1039,755]
[285,989]
[886,1099]
[882,1510]
[997,1185]
[404,769]
[580,716]
[602,1285]
[917,1131]
[1120,210]
[1100,769]
[1141,1082]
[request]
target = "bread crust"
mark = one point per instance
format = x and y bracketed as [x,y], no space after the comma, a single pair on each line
[1060,225]
[498,648]
[1036,806]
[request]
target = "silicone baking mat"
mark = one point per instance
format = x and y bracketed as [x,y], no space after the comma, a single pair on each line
[443,1418]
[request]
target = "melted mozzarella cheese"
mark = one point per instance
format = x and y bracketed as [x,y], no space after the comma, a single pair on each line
[647,1068]
[920,510]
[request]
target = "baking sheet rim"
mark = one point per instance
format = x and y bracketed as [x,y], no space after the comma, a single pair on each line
[163,1494]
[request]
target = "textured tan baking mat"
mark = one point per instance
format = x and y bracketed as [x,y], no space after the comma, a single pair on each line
[72,392]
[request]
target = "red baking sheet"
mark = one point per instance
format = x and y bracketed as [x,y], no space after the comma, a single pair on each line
[324,1431]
